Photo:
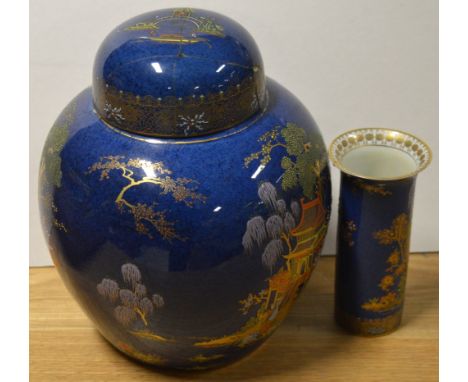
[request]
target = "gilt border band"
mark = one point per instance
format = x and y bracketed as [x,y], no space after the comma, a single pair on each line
[415,147]
[172,117]
[368,327]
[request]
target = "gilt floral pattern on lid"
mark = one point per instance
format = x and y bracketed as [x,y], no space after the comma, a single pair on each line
[178,73]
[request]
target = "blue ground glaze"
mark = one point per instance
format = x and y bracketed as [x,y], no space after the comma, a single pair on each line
[205,272]
[125,57]
[158,69]
[363,260]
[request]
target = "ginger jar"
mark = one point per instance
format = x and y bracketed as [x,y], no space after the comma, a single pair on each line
[184,196]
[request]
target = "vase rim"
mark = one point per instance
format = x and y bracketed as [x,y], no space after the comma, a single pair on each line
[419,151]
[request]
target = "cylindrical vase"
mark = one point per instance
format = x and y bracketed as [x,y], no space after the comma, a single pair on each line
[378,175]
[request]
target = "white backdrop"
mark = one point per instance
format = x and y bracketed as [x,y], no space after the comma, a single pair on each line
[352,63]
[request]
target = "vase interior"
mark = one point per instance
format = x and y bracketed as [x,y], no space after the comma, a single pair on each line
[379,162]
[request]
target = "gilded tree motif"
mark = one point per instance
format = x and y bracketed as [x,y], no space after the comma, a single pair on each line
[371,188]
[196,25]
[348,228]
[147,217]
[144,357]
[393,282]
[51,162]
[132,304]
[301,157]
[50,170]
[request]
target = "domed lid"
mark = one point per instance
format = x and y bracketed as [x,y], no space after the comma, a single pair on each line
[178,73]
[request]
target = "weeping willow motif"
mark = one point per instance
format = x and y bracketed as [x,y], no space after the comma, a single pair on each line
[133,305]
[274,226]
[273,250]
[281,207]
[296,210]
[393,283]
[147,216]
[268,195]
[288,240]
[271,235]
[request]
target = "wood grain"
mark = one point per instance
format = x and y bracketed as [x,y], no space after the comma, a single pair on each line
[308,346]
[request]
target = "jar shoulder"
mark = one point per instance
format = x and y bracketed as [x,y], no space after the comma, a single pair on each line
[99,182]
[79,133]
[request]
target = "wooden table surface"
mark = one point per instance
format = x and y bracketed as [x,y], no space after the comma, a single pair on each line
[308,346]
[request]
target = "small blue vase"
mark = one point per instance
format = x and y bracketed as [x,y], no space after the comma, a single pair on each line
[378,177]
[184,196]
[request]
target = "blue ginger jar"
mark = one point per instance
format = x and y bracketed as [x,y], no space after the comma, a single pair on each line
[184,196]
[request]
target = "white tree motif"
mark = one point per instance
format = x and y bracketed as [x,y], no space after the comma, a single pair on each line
[124,315]
[131,274]
[255,234]
[140,290]
[296,210]
[274,226]
[128,298]
[281,207]
[272,236]
[289,222]
[158,301]
[109,288]
[133,304]
[273,251]
[267,193]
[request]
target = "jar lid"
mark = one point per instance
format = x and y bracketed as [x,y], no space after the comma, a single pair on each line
[178,73]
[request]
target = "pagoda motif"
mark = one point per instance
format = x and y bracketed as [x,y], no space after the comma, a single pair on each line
[309,235]
[284,285]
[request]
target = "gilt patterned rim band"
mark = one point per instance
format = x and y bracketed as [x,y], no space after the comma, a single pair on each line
[419,151]
[181,117]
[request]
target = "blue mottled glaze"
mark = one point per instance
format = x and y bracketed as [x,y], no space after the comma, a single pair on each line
[374,224]
[178,72]
[188,252]
[126,57]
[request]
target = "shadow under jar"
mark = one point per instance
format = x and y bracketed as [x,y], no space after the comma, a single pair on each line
[378,174]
